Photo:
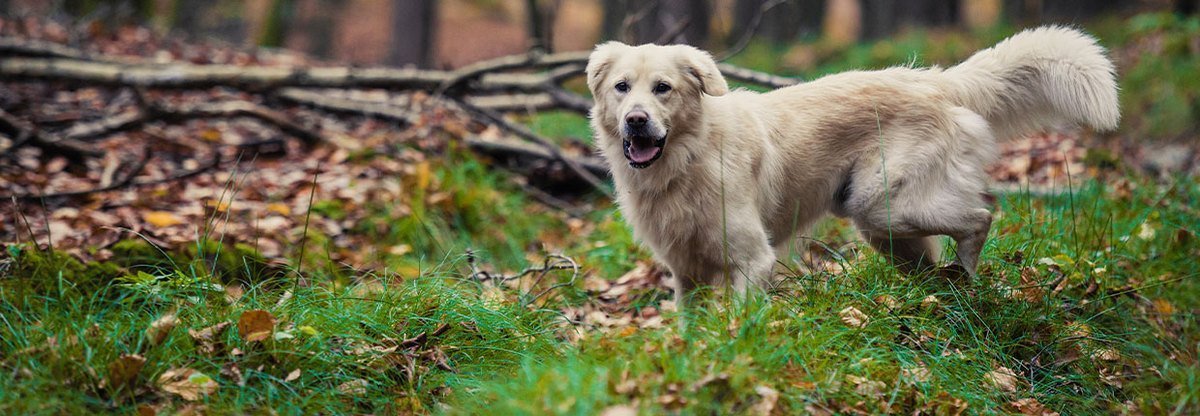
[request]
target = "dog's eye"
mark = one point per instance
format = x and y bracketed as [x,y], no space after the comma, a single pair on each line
[622,87]
[661,88]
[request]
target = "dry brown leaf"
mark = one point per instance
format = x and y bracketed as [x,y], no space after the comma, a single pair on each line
[1031,407]
[1106,354]
[853,317]
[768,397]
[145,409]
[918,374]
[124,370]
[255,325]
[292,376]
[887,301]
[1003,379]
[160,328]
[208,340]
[356,387]
[619,410]
[189,384]
[945,404]
[161,219]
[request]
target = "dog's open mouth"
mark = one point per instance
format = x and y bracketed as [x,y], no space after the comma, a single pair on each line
[641,151]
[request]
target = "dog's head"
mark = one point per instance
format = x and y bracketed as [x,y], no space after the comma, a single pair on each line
[648,95]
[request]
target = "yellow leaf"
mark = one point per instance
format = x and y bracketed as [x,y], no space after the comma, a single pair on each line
[161,219]
[422,174]
[211,135]
[1163,307]
[279,208]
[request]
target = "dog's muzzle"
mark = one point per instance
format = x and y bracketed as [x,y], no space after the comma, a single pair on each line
[641,151]
[642,146]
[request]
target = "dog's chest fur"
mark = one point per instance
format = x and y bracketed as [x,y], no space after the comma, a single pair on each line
[676,220]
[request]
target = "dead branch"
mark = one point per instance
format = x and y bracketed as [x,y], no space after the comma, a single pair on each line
[511,149]
[751,29]
[182,75]
[157,112]
[750,76]
[526,134]
[24,133]
[344,105]
[126,182]
[532,60]
[123,182]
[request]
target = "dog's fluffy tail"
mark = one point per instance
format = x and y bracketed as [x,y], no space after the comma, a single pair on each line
[1037,79]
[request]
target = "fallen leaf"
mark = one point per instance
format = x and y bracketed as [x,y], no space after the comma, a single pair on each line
[124,370]
[160,328]
[255,325]
[1106,354]
[189,384]
[919,374]
[208,340]
[356,387]
[619,410]
[853,317]
[292,376]
[161,219]
[279,208]
[767,399]
[945,404]
[1003,379]
[1031,407]
[887,301]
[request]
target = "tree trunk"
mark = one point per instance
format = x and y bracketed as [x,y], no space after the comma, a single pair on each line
[412,32]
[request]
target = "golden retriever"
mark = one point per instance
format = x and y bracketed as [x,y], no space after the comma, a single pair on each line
[716,182]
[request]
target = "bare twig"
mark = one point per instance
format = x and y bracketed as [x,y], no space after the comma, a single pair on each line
[751,28]
[671,35]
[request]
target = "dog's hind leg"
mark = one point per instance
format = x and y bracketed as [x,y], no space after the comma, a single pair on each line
[911,230]
[912,255]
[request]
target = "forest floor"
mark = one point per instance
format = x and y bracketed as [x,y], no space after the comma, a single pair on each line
[391,270]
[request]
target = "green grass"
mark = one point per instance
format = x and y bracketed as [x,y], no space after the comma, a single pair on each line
[505,357]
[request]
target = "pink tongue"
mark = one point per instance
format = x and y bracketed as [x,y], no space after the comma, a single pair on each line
[639,154]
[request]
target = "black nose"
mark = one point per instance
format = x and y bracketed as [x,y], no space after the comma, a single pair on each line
[637,118]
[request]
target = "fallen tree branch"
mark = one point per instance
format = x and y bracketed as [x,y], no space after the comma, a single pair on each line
[526,134]
[344,105]
[508,149]
[24,133]
[123,182]
[183,75]
[227,109]
[127,181]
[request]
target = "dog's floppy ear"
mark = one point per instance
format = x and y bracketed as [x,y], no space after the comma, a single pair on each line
[703,67]
[599,62]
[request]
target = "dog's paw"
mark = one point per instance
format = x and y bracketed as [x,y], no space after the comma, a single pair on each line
[954,272]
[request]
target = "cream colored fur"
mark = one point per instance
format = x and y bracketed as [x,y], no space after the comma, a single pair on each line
[899,151]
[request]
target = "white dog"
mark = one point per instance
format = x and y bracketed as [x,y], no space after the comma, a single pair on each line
[716,182]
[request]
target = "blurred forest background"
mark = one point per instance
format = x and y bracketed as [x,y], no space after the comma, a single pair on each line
[451,33]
